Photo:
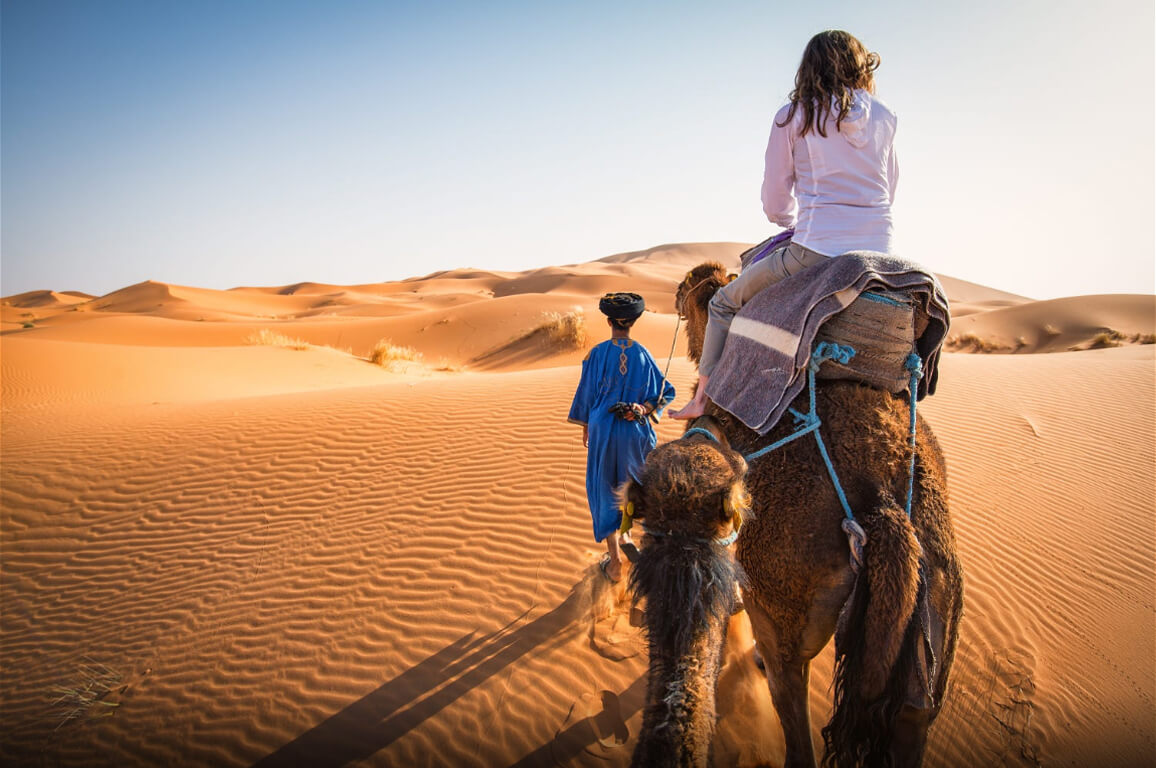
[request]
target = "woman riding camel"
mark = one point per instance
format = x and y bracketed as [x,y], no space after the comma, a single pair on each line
[831,155]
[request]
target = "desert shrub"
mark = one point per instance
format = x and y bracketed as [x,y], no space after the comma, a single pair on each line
[388,355]
[970,342]
[1110,338]
[1051,330]
[268,338]
[29,324]
[564,329]
[1107,339]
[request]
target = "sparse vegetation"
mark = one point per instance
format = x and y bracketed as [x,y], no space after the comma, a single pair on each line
[1107,339]
[564,329]
[29,324]
[389,355]
[970,342]
[89,696]
[1051,330]
[268,338]
[1110,338]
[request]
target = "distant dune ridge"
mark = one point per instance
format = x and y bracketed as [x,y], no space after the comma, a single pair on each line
[227,537]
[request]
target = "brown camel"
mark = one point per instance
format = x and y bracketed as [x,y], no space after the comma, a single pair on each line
[897,616]
[687,491]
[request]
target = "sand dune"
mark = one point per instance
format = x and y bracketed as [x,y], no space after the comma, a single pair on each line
[282,556]
[1060,324]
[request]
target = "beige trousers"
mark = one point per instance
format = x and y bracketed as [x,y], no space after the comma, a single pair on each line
[728,300]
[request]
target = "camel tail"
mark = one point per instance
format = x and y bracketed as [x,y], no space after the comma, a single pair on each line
[876,642]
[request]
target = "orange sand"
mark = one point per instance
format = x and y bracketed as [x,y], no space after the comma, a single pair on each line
[296,557]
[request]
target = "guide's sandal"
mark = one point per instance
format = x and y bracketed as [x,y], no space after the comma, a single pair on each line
[604,566]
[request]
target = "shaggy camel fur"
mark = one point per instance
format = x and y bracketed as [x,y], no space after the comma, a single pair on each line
[688,490]
[798,575]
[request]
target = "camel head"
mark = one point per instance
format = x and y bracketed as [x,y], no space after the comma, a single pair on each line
[692,299]
[690,487]
[689,495]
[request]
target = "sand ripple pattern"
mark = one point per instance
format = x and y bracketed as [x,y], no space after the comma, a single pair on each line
[403,575]
[368,562]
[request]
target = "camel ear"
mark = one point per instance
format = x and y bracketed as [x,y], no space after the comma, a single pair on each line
[736,505]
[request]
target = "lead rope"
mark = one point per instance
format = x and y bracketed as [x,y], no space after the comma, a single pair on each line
[669,359]
[915,366]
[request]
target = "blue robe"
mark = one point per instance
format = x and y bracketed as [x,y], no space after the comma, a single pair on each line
[617,370]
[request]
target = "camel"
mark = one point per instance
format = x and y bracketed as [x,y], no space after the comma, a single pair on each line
[894,613]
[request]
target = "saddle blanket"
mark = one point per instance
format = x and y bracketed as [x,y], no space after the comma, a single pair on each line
[763,365]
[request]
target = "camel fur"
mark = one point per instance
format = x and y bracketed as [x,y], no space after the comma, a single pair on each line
[796,566]
[688,490]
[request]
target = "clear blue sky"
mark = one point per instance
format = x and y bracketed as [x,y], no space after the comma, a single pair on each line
[220,143]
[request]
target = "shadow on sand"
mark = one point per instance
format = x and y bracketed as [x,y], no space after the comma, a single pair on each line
[383,716]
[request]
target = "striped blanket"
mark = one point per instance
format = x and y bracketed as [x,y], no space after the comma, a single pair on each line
[763,366]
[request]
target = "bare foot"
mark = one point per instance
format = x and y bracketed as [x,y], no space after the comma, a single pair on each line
[693,410]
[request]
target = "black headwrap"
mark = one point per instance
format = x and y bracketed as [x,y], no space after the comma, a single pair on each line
[622,306]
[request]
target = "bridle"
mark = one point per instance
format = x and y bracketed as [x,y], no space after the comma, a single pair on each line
[680,297]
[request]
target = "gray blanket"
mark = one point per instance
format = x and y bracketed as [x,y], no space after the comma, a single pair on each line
[768,348]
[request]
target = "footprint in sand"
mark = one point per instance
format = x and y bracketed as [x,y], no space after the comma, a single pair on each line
[594,725]
[615,639]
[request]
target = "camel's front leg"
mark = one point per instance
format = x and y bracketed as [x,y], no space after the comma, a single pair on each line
[788,681]
[788,676]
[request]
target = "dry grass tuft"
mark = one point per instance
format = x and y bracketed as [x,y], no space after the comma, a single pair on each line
[970,342]
[389,355]
[1107,339]
[268,338]
[89,697]
[566,330]
[1110,338]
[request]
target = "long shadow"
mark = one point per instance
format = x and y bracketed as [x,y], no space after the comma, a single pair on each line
[386,714]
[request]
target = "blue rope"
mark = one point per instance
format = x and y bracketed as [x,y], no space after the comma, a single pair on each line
[915,366]
[699,431]
[808,423]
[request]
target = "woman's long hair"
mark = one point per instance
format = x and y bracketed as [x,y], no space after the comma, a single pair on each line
[834,64]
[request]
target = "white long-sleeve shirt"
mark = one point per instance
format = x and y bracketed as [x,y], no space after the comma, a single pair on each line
[843,183]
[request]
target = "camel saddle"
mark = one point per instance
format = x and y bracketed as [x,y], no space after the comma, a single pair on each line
[881,326]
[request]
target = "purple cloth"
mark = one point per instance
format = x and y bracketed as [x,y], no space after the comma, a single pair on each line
[764,248]
[763,365]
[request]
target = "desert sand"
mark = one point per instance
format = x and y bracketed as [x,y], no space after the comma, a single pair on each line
[225,547]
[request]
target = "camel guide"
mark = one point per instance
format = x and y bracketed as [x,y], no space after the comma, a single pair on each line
[621,392]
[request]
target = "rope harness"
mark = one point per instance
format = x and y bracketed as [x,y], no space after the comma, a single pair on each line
[810,423]
[807,423]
